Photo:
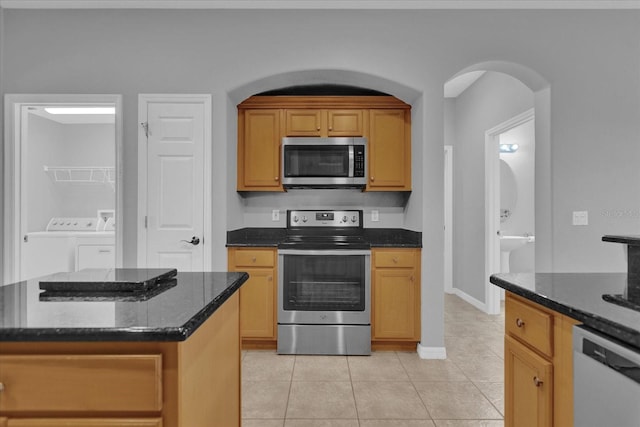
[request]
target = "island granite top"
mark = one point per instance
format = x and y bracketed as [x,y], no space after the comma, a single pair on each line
[579,296]
[172,312]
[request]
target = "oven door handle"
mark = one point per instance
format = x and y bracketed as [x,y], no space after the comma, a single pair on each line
[324,252]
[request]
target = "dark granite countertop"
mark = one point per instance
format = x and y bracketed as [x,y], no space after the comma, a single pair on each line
[629,240]
[170,313]
[580,296]
[377,237]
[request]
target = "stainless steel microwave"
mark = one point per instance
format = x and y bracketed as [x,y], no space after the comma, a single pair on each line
[312,162]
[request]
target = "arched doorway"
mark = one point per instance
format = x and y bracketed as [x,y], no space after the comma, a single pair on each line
[477,226]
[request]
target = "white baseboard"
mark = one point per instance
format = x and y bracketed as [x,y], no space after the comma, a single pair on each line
[431,352]
[471,300]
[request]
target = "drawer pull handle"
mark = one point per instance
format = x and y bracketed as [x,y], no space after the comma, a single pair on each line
[1,387]
[253,259]
[395,260]
[537,381]
[519,322]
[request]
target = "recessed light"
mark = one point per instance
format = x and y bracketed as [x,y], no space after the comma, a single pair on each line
[81,110]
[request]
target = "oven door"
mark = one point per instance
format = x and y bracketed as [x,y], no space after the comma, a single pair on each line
[324,287]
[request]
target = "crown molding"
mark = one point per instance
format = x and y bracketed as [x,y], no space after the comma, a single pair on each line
[320,4]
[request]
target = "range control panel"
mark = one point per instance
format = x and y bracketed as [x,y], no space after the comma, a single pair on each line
[309,218]
[72,224]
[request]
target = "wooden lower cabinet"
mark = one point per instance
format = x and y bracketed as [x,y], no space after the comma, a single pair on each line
[529,390]
[191,383]
[258,319]
[395,290]
[538,365]
[83,422]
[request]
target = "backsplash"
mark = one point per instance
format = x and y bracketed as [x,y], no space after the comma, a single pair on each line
[258,207]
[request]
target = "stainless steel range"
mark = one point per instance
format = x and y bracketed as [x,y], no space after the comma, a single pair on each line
[324,284]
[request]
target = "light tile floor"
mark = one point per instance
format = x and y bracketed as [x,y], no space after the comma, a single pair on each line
[387,389]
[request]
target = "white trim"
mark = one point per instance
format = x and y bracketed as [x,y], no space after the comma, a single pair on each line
[448,219]
[143,101]
[320,4]
[431,352]
[492,205]
[13,203]
[471,300]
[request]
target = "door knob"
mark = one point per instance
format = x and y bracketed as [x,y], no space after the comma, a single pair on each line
[194,241]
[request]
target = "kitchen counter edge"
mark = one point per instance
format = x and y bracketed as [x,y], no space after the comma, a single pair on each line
[602,324]
[271,237]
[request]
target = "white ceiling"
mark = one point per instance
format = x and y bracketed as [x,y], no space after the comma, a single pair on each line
[454,87]
[320,4]
[74,118]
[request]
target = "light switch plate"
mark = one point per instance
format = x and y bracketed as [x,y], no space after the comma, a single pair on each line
[375,217]
[580,218]
[275,215]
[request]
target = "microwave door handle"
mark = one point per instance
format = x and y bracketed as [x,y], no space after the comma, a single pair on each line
[351,161]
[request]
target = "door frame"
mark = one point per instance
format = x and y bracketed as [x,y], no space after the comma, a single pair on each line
[14,203]
[448,219]
[492,205]
[144,99]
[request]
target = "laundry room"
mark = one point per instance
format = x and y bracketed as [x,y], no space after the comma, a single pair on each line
[68,188]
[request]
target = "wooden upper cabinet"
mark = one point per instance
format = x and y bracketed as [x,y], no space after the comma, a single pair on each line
[384,120]
[259,150]
[316,122]
[389,150]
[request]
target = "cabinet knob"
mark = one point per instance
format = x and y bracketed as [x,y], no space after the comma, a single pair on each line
[537,381]
[519,322]
[277,178]
[270,279]
[395,259]
[330,127]
[372,179]
[1,387]
[253,259]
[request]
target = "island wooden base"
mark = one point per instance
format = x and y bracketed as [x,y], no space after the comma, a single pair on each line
[192,383]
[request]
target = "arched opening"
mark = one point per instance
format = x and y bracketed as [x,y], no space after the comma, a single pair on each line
[498,97]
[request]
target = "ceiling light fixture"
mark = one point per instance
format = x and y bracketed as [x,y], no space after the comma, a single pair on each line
[81,110]
[508,148]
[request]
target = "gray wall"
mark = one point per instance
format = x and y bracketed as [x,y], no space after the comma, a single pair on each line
[590,59]
[494,98]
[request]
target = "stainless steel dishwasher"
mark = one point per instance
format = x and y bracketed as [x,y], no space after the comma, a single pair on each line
[606,381]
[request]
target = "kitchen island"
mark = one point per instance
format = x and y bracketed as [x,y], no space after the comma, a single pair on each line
[540,312]
[168,358]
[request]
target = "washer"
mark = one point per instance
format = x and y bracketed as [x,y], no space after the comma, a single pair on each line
[67,244]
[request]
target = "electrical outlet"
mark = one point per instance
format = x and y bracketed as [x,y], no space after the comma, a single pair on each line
[375,217]
[580,218]
[275,215]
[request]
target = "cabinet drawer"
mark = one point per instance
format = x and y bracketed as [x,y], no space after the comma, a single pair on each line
[399,258]
[85,422]
[529,324]
[254,258]
[81,383]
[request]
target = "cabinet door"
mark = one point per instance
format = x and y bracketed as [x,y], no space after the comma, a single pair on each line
[83,422]
[528,387]
[257,304]
[394,296]
[259,151]
[389,151]
[3,422]
[345,123]
[303,122]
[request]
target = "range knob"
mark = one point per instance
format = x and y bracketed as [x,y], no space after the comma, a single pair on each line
[344,219]
[295,218]
[304,218]
[354,218]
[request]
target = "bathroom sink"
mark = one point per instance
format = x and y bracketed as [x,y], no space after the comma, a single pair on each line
[510,243]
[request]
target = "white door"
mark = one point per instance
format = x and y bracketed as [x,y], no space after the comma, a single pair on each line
[176,183]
